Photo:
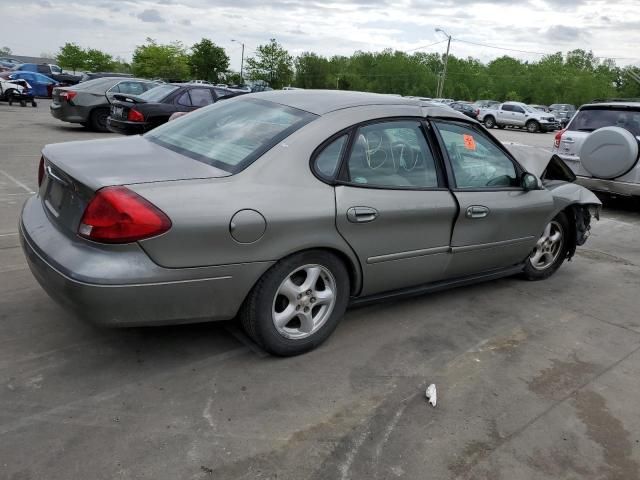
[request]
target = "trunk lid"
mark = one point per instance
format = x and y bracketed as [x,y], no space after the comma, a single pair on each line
[75,170]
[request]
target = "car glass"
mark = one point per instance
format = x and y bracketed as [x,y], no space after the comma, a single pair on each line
[507,108]
[184,99]
[55,69]
[43,69]
[231,134]
[517,109]
[132,88]
[159,93]
[200,97]
[476,161]
[327,161]
[588,120]
[392,154]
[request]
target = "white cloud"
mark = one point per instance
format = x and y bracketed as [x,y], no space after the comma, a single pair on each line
[329,27]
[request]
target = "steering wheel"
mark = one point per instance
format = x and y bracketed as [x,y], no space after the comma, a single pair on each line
[407,159]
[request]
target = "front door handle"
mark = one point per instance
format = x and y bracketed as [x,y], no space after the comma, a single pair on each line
[477,211]
[362,214]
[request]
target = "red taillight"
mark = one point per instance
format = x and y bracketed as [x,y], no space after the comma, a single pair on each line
[558,138]
[68,95]
[118,215]
[41,171]
[135,116]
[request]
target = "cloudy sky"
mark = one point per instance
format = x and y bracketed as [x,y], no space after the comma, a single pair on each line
[609,28]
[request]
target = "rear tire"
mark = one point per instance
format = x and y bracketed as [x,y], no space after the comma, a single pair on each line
[489,122]
[532,126]
[98,119]
[273,313]
[549,253]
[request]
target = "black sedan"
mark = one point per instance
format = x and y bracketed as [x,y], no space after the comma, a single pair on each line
[131,115]
[465,108]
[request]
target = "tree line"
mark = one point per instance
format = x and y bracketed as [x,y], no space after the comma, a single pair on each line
[575,77]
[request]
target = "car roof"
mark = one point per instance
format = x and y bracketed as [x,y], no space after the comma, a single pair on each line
[321,102]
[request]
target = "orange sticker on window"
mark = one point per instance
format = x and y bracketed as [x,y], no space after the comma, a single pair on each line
[469,142]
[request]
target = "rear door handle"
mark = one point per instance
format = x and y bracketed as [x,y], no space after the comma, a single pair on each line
[362,214]
[477,211]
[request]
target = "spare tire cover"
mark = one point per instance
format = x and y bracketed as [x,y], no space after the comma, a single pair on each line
[609,152]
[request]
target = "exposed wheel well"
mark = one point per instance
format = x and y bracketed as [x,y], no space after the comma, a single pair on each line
[579,225]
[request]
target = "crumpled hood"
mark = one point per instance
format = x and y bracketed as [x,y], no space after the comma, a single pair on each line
[533,159]
[125,160]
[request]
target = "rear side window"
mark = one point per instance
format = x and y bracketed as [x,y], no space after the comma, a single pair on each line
[185,99]
[232,134]
[200,97]
[392,154]
[132,88]
[588,120]
[507,108]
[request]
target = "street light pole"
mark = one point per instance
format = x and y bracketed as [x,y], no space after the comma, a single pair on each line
[241,59]
[446,59]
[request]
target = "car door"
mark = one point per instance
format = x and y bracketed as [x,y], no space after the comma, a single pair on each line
[392,205]
[519,115]
[503,114]
[498,221]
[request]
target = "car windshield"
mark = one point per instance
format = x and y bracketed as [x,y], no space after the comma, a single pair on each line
[230,134]
[55,69]
[158,93]
[530,109]
[590,119]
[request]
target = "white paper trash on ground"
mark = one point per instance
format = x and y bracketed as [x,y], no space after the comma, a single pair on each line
[432,394]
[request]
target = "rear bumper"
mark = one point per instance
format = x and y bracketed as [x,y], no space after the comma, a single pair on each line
[121,286]
[610,186]
[69,113]
[124,127]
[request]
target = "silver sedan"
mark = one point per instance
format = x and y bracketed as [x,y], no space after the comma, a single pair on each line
[284,208]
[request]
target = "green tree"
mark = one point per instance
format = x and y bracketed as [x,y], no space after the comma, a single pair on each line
[208,61]
[154,60]
[312,71]
[98,61]
[71,56]
[272,64]
[5,51]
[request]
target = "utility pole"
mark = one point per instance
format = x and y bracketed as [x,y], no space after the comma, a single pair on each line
[241,59]
[443,76]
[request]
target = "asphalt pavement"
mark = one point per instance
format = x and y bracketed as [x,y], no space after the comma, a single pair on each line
[535,380]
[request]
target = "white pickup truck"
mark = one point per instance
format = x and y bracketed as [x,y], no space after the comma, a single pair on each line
[517,114]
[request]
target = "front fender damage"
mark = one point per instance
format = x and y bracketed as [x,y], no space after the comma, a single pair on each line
[580,204]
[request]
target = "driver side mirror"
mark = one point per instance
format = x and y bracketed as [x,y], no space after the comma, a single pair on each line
[529,182]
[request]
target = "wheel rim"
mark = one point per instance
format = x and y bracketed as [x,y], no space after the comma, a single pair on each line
[304,301]
[532,127]
[102,119]
[548,247]
[488,122]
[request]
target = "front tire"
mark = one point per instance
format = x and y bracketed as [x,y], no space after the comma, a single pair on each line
[297,304]
[489,122]
[533,126]
[550,250]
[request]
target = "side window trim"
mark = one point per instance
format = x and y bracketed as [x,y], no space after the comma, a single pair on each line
[333,179]
[449,169]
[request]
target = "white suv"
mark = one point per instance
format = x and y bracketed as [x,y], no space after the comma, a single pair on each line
[601,146]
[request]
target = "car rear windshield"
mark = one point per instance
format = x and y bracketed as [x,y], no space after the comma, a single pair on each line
[590,119]
[232,133]
[156,94]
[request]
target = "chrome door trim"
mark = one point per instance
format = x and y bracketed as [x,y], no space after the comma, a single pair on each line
[483,246]
[408,254]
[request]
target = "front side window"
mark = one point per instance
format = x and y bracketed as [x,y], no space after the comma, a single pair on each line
[230,134]
[476,161]
[518,109]
[392,154]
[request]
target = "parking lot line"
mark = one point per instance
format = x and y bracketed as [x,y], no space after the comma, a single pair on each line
[17,182]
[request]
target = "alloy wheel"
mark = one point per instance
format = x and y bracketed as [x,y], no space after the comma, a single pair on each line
[548,247]
[304,301]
